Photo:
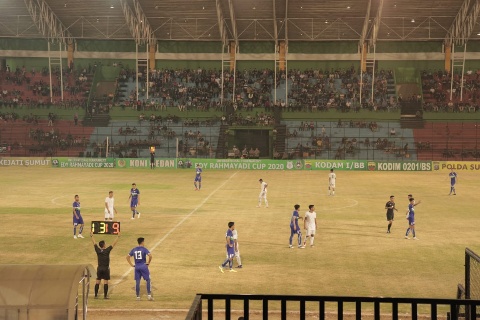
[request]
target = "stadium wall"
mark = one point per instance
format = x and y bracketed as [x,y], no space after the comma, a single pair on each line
[427,55]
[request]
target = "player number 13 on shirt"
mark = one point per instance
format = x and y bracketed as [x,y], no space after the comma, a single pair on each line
[105,227]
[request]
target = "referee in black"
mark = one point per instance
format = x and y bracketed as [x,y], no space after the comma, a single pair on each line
[390,206]
[103,270]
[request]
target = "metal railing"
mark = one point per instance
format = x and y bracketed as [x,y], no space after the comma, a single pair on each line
[436,308]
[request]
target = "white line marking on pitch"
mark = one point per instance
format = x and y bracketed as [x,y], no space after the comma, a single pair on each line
[176,226]
[54,201]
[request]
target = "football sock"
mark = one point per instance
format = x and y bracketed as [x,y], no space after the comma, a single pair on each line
[299,238]
[239,261]
[225,263]
[230,263]
[81,230]
[199,185]
[333,193]
[74,230]
[389,226]
[137,287]
[105,290]
[413,232]
[195,184]
[408,231]
[133,213]
[149,289]
[97,285]
[311,240]
[291,238]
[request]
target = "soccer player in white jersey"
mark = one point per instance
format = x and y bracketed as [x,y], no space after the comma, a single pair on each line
[109,207]
[310,224]
[237,250]
[332,177]
[263,194]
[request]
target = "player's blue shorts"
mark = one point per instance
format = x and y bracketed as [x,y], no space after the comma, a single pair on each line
[294,231]
[199,178]
[133,203]
[452,183]
[230,252]
[411,221]
[141,271]
[78,221]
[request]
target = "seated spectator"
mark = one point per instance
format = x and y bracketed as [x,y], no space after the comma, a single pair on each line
[245,152]
[256,153]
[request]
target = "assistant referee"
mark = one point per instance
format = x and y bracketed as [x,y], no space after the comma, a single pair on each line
[103,270]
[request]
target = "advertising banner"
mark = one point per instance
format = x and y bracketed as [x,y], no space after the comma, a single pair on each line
[359,165]
[456,165]
[399,166]
[24,161]
[144,163]
[242,164]
[83,162]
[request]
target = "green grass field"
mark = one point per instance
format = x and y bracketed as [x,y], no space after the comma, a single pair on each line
[185,231]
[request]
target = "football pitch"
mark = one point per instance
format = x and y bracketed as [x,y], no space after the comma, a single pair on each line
[185,231]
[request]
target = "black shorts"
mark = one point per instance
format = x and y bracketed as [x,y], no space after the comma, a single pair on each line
[103,273]
[389,216]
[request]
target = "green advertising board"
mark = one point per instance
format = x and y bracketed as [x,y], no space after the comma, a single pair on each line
[241,164]
[358,165]
[227,164]
[25,162]
[399,166]
[144,163]
[83,162]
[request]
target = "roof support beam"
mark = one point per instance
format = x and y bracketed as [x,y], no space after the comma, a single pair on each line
[47,22]
[286,24]
[137,23]
[234,22]
[377,22]
[363,37]
[275,28]
[464,23]
[221,22]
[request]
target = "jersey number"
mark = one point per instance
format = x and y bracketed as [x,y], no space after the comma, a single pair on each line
[138,255]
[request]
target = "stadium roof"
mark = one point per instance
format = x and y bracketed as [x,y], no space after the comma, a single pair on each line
[241,20]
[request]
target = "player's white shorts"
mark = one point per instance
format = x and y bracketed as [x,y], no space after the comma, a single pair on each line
[263,194]
[108,215]
[310,232]
[332,185]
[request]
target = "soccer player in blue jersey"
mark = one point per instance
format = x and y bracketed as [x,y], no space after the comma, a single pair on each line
[198,177]
[134,198]
[140,254]
[230,245]
[411,218]
[453,180]
[77,218]
[294,227]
